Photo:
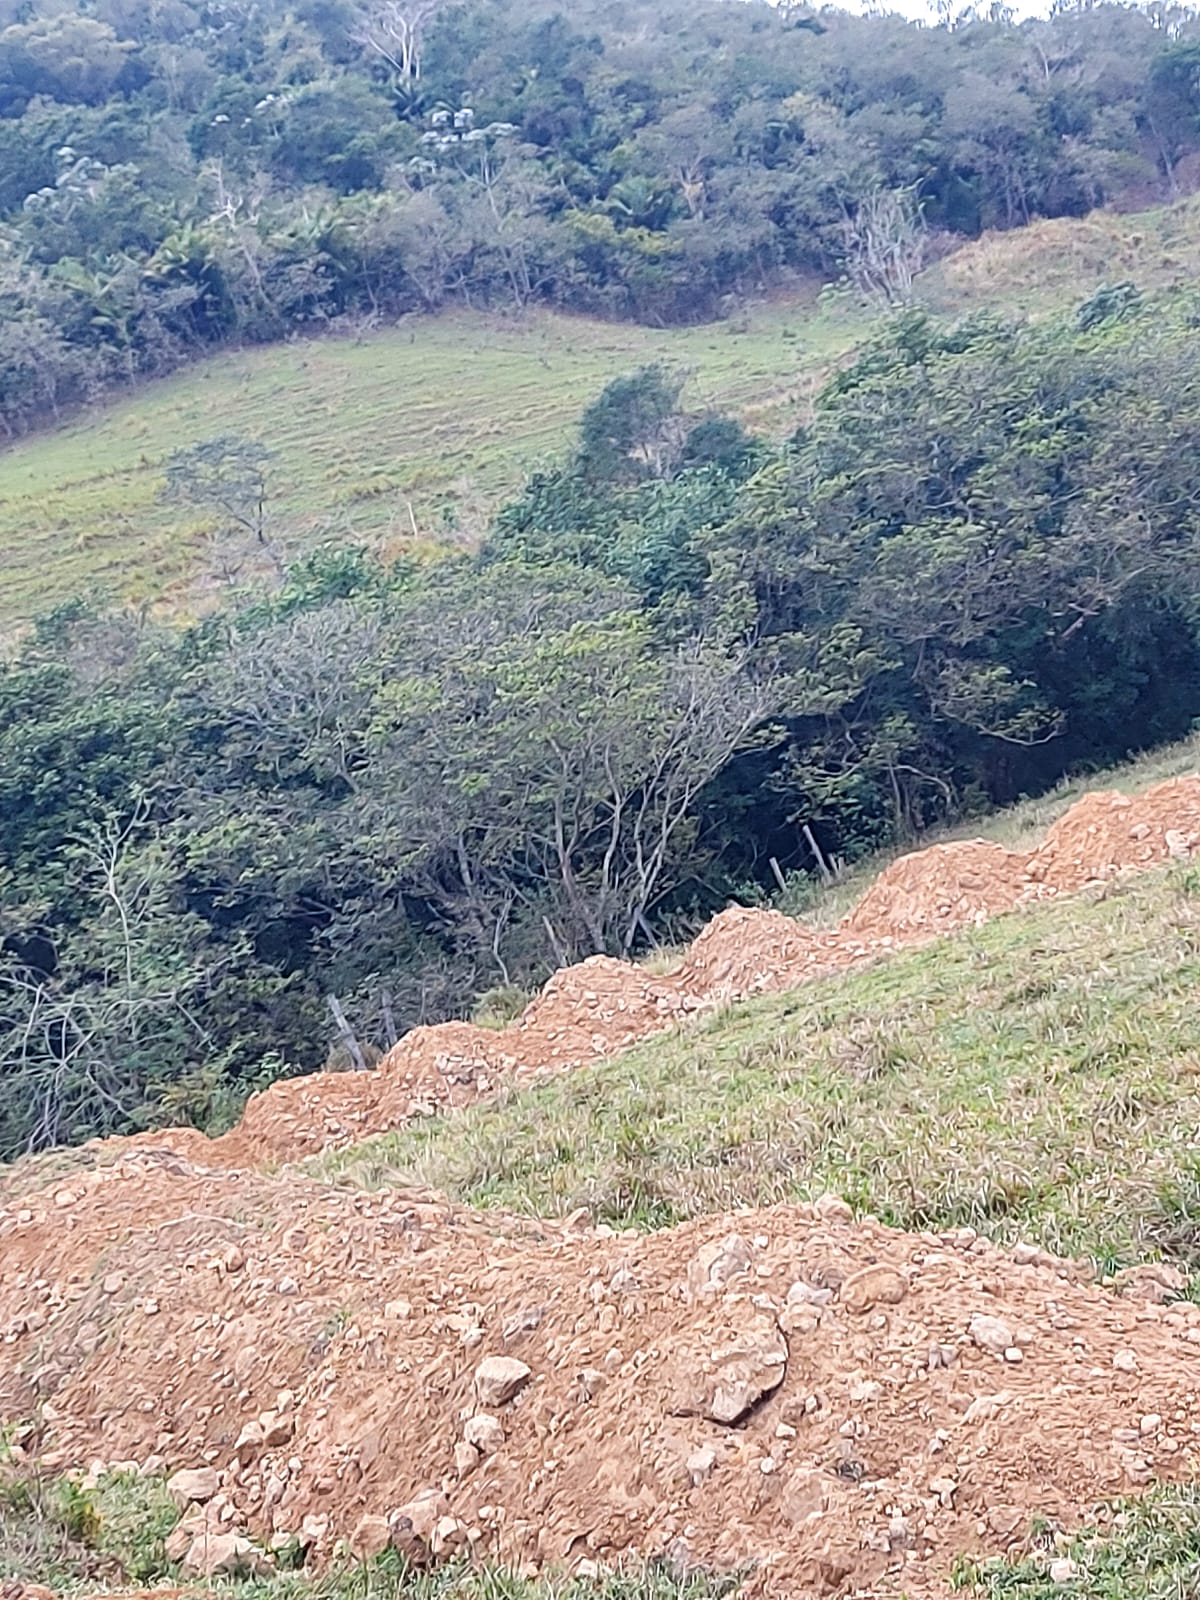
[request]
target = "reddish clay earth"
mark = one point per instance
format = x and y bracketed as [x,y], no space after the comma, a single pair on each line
[844,1406]
[602,1006]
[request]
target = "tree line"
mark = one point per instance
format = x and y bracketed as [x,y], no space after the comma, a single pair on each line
[684,660]
[184,173]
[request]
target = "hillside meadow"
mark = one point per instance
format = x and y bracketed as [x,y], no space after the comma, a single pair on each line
[408,437]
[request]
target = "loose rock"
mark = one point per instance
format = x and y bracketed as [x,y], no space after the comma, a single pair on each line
[195,1485]
[499,1378]
[991,1334]
[484,1432]
[871,1286]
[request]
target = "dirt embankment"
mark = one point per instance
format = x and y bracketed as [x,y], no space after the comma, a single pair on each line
[602,1006]
[846,1406]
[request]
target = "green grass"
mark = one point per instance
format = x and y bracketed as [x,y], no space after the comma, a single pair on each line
[53,1531]
[424,426]
[1037,1078]
[1149,1551]
[109,1537]
[388,1579]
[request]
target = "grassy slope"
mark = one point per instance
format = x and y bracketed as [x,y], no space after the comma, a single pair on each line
[435,414]
[1054,263]
[1038,1077]
[444,415]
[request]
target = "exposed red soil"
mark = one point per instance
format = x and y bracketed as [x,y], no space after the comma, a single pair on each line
[152,1309]
[603,1006]
[784,1386]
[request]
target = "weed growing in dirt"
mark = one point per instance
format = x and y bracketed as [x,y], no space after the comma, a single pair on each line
[389,1578]
[1037,1078]
[1152,1552]
[497,1007]
[52,1530]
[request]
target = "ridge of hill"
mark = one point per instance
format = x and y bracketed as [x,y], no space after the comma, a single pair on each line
[845,1405]
[602,1005]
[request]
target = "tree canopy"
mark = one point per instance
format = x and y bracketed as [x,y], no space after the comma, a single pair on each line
[178,175]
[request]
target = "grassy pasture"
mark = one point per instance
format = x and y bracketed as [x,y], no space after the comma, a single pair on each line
[407,437]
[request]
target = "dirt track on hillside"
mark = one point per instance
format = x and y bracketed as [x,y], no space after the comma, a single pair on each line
[602,1006]
[787,1387]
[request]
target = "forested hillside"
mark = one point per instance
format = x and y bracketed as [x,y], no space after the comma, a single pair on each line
[187,173]
[408,786]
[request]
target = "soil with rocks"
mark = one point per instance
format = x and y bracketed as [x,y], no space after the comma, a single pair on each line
[843,1407]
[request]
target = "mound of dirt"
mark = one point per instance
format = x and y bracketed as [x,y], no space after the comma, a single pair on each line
[584,1012]
[1108,832]
[744,951]
[938,890]
[603,1006]
[847,1406]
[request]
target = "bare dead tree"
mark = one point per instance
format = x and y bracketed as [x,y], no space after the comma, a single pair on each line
[884,240]
[395,31]
[73,1047]
[228,475]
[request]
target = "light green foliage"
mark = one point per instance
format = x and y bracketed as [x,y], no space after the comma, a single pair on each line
[1033,1078]
[55,1531]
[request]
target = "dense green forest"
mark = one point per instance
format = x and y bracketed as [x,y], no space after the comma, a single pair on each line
[176,174]
[407,785]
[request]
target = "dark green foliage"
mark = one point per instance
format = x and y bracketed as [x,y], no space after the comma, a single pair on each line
[174,177]
[408,787]
[626,433]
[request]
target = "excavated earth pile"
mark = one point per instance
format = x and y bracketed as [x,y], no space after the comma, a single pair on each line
[843,1406]
[846,1407]
[602,1006]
